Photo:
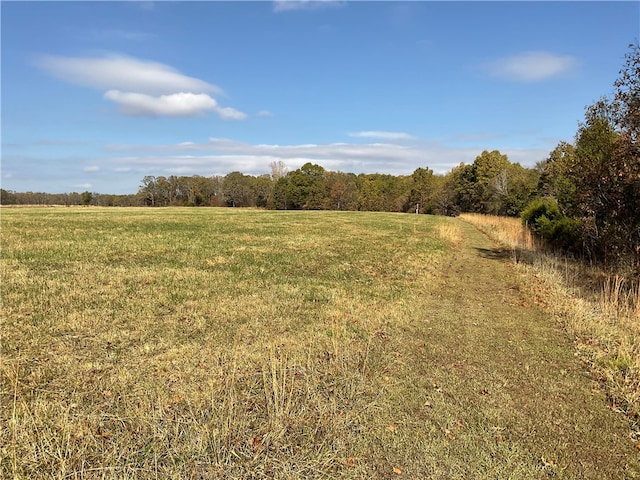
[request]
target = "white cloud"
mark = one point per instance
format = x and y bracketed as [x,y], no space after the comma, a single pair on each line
[91,168]
[119,72]
[86,186]
[532,66]
[141,87]
[176,105]
[228,113]
[383,135]
[265,113]
[289,5]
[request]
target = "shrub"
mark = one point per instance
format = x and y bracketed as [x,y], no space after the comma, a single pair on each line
[544,218]
[540,207]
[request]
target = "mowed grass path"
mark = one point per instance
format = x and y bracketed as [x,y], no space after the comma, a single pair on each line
[224,343]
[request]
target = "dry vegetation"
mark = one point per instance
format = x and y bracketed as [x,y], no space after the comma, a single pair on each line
[223,343]
[600,311]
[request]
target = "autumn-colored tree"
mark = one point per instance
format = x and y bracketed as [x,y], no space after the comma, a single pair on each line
[597,181]
[343,191]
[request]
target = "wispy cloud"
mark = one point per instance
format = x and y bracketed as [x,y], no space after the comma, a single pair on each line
[91,168]
[222,155]
[289,5]
[140,87]
[119,72]
[383,135]
[265,113]
[532,66]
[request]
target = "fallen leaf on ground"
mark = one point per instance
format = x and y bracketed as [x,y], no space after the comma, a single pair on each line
[350,462]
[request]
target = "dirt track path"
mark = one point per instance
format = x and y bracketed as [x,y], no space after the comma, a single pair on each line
[506,373]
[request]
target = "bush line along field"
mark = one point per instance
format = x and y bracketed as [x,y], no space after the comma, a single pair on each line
[218,343]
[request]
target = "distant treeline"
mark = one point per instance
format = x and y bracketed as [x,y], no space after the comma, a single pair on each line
[8,197]
[491,184]
[584,198]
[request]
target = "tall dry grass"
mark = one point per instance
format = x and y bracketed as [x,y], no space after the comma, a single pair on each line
[600,311]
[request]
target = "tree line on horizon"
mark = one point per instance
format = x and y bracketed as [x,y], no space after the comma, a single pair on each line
[584,198]
[491,184]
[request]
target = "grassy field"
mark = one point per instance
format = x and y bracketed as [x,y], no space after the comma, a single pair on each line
[223,343]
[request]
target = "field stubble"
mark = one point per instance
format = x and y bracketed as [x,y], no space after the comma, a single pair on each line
[217,343]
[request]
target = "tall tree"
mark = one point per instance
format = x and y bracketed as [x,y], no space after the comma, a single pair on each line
[555,178]
[626,100]
[422,186]
[238,190]
[306,187]
[149,190]
[343,191]
[491,181]
[278,169]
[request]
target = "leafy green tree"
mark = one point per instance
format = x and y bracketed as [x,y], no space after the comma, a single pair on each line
[461,183]
[7,197]
[238,190]
[598,181]
[593,174]
[86,198]
[490,178]
[371,196]
[379,192]
[516,188]
[263,191]
[281,193]
[306,187]
[556,180]
[607,178]
[422,187]
[444,199]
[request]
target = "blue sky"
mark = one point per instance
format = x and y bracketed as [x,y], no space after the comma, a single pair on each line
[96,95]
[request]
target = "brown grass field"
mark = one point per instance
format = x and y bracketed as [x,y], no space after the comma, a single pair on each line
[225,343]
